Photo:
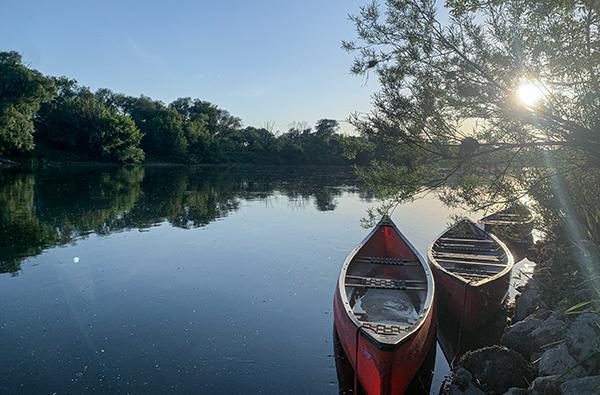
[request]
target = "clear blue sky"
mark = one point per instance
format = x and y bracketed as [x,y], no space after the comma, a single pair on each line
[263,60]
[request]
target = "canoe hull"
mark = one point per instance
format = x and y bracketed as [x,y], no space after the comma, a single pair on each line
[472,306]
[383,371]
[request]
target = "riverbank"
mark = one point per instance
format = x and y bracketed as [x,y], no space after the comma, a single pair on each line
[552,343]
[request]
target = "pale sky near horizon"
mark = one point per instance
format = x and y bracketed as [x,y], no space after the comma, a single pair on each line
[265,61]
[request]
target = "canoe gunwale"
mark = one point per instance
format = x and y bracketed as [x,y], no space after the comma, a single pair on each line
[425,312]
[473,283]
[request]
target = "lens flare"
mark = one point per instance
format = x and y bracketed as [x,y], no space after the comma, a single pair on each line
[529,94]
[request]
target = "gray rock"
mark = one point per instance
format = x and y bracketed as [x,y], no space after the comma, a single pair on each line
[582,336]
[563,305]
[535,356]
[462,384]
[528,301]
[585,386]
[547,385]
[548,332]
[558,361]
[543,314]
[496,369]
[471,390]
[517,391]
[583,295]
[519,336]
[462,377]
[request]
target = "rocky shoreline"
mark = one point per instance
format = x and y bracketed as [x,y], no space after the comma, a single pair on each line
[551,345]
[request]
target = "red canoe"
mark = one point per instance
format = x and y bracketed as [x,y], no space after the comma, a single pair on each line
[472,272]
[384,310]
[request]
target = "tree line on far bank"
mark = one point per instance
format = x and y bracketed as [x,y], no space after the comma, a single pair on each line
[54,117]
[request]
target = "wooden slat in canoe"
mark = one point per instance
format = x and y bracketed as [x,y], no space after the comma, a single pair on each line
[466,240]
[385,283]
[465,247]
[471,257]
[470,272]
[502,215]
[387,287]
[386,261]
[378,278]
[384,329]
[472,263]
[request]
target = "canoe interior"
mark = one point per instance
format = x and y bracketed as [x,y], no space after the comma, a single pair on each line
[386,286]
[517,214]
[469,253]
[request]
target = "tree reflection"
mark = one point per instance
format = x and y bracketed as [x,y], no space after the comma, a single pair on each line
[62,206]
[78,202]
[21,232]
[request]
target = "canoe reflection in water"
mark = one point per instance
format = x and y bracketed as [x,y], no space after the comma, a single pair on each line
[455,340]
[349,384]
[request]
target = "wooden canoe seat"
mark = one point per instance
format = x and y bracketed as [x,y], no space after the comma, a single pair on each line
[385,283]
[385,329]
[471,263]
[470,276]
[465,247]
[503,215]
[469,257]
[467,240]
[386,261]
[463,272]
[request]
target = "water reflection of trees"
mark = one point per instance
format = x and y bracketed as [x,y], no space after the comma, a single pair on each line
[21,232]
[59,207]
[82,201]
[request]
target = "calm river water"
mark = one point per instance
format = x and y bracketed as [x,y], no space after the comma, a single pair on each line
[171,279]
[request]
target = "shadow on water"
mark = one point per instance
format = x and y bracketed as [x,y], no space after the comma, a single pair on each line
[454,340]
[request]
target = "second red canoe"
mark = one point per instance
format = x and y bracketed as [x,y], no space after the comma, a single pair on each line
[472,271]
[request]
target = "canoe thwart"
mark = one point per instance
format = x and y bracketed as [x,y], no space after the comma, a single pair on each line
[466,240]
[386,261]
[471,263]
[471,257]
[384,329]
[470,272]
[468,248]
[385,283]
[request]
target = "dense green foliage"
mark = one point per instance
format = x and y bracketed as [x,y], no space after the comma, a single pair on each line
[76,120]
[449,112]
[22,90]
[497,102]
[74,123]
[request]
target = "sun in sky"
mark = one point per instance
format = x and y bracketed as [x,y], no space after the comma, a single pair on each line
[529,93]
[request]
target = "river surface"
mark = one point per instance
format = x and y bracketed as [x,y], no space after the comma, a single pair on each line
[183,280]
